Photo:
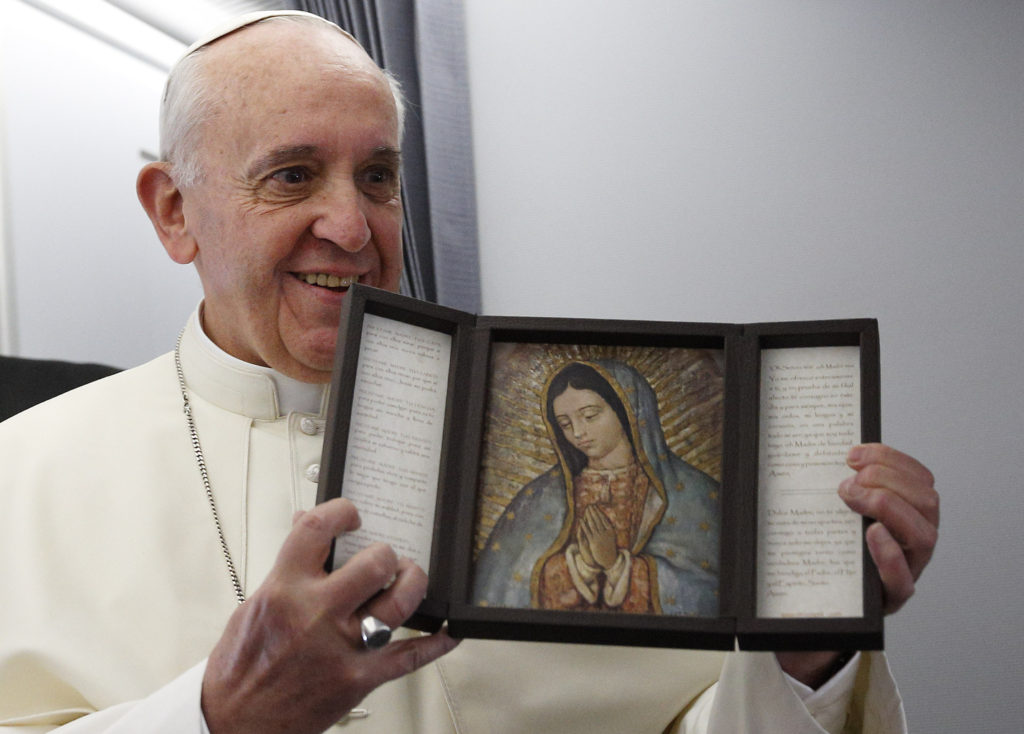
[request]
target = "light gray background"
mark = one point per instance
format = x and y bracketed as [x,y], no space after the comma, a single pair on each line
[696,160]
[796,159]
[87,278]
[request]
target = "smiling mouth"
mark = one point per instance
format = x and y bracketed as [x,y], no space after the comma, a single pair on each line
[330,282]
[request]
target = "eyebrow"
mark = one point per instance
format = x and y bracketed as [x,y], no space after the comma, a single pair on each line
[289,153]
[280,156]
[580,409]
[388,154]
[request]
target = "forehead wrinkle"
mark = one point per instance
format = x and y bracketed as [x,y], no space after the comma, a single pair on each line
[254,92]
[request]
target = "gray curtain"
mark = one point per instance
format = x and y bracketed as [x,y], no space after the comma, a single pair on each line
[422,42]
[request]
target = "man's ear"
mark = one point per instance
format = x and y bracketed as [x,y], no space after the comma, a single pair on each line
[162,200]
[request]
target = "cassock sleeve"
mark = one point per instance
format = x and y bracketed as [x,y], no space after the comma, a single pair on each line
[754,693]
[173,709]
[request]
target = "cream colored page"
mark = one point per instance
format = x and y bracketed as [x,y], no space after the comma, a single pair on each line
[809,542]
[393,458]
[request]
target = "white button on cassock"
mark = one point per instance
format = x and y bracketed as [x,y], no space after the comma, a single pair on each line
[308,426]
[313,472]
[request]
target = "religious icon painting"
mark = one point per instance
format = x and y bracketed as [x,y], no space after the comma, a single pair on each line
[600,479]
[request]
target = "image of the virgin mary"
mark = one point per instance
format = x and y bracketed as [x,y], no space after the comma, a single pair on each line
[620,523]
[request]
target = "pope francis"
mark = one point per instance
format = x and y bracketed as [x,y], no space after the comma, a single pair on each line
[163,557]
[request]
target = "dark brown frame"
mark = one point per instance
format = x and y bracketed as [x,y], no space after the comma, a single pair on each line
[451,570]
[845,633]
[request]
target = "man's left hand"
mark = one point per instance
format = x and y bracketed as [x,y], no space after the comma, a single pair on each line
[898,493]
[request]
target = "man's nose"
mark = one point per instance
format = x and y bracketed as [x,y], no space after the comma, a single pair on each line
[341,219]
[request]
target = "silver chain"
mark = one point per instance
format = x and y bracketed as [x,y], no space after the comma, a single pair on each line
[201,462]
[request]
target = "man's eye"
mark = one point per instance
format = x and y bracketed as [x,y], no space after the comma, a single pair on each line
[291,176]
[380,182]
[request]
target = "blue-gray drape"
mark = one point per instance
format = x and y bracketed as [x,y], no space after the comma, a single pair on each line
[422,42]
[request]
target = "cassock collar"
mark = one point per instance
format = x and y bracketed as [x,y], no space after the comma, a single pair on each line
[250,390]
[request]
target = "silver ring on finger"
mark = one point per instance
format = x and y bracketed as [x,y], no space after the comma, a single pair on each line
[375,633]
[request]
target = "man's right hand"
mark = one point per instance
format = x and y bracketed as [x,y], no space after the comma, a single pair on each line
[292,658]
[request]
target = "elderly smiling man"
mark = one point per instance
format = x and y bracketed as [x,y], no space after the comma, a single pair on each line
[163,566]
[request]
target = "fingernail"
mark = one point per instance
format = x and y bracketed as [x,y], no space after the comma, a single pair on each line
[849,489]
[855,454]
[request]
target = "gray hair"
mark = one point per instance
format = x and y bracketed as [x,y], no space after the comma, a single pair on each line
[188,102]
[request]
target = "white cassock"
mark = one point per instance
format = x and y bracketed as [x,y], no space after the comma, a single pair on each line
[113,587]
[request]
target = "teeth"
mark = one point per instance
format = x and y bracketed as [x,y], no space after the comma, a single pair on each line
[331,281]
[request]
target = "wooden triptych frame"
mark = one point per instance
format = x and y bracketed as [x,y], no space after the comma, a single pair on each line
[611,482]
